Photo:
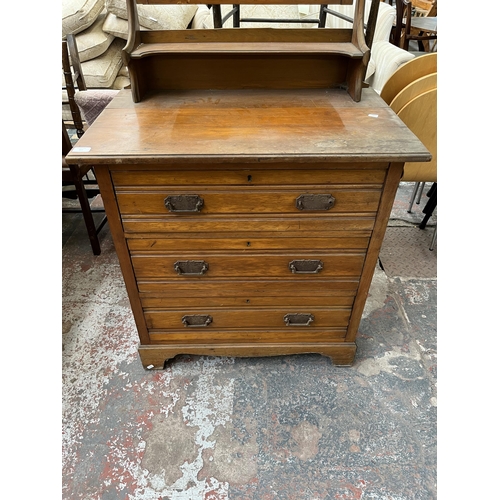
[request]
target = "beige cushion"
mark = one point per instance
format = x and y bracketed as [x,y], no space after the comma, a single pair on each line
[200,20]
[121,82]
[116,26]
[123,71]
[78,15]
[101,72]
[156,17]
[93,41]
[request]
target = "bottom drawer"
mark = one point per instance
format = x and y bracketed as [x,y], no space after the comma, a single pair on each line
[287,335]
[233,318]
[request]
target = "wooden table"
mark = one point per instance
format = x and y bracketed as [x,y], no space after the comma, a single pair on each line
[248,222]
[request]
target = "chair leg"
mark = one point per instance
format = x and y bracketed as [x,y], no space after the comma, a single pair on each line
[434,235]
[425,220]
[87,213]
[430,205]
[413,196]
[421,190]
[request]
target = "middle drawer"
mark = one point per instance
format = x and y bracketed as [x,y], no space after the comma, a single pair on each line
[207,265]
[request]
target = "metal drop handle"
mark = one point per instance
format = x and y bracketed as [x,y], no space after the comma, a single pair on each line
[196,320]
[191,267]
[184,203]
[298,319]
[305,266]
[315,202]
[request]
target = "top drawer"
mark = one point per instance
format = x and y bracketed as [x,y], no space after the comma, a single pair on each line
[367,174]
[251,191]
[175,202]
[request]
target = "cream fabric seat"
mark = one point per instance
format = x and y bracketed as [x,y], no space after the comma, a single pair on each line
[385,59]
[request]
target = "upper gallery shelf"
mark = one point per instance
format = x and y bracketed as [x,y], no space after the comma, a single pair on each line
[246,58]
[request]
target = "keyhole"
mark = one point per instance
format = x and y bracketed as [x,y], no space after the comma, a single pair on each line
[249,178]
[248,301]
[248,244]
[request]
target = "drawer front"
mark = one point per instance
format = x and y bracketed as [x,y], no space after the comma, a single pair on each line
[248,289]
[286,335]
[167,301]
[230,225]
[366,174]
[248,201]
[209,318]
[251,242]
[205,266]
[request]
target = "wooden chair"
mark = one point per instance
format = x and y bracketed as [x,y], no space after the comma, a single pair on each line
[411,93]
[73,81]
[85,103]
[408,73]
[414,89]
[78,181]
[76,175]
[415,20]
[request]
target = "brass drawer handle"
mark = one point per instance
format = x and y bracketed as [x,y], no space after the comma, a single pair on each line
[315,202]
[184,203]
[298,319]
[305,266]
[197,320]
[191,267]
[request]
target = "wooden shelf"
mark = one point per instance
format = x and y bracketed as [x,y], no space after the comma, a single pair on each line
[247,58]
[149,49]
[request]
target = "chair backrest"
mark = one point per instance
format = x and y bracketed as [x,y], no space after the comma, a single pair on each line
[414,89]
[402,9]
[411,92]
[385,18]
[406,10]
[424,8]
[73,79]
[420,116]
[408,73]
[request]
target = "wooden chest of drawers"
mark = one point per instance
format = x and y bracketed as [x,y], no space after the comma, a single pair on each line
[248,223]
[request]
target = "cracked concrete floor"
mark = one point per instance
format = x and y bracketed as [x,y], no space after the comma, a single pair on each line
[206,428]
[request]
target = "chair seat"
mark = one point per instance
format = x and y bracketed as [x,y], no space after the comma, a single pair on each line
[92,102]
[427,24]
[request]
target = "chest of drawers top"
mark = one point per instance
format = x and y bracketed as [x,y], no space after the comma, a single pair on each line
[204,126]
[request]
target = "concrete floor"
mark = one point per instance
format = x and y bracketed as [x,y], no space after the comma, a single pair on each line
[293,427]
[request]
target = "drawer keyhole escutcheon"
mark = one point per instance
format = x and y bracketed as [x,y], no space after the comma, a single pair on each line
[191,267]
[197,320]
[315,202]
[298,319]
[184,203]
[305,266]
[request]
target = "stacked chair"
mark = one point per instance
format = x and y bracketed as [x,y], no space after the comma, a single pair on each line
[411,92]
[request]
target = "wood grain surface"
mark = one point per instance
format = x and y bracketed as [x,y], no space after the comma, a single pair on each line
[312,125]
